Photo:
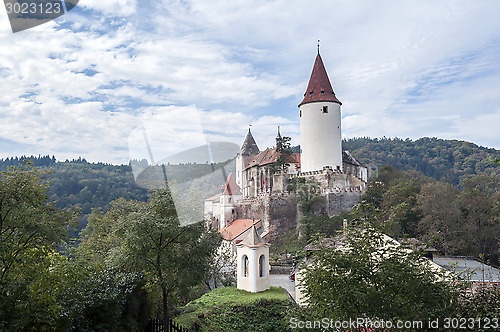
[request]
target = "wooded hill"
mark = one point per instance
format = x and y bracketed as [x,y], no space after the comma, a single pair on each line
[444,160]
[78,183]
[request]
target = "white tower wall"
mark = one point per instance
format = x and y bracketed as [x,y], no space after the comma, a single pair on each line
[320,136]
[253,282]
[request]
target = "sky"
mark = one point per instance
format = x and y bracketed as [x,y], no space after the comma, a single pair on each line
[119,79]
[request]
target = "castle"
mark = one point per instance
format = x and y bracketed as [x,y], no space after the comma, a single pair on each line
[259,190]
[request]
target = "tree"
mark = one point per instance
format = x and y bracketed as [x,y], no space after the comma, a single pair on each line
[310,205]
[283,147]
[362,273]
[172,258]
[480,206]
[222,269]
[441,224]
[31,230]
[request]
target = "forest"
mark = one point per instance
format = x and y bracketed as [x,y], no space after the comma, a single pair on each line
[83,248]
[80,184]
[446,160]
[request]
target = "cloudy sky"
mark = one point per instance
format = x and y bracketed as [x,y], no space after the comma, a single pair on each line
[108,74]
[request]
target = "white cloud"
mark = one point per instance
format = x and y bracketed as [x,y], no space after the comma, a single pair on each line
[111,7]
[401,69]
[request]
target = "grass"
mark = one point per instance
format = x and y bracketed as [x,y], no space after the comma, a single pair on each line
[229,297]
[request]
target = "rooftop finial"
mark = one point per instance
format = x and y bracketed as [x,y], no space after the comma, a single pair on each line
[318,46]
[249,126]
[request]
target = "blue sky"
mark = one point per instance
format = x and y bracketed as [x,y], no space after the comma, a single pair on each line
[186,72]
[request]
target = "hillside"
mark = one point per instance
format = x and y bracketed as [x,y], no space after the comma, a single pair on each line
[78,183]
[231,309]
[445,160]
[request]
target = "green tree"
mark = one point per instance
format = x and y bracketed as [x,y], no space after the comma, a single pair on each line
[31,229]
[311,205]
[283,148]
[480,205]
[172,258]
[362,273]
[441,224]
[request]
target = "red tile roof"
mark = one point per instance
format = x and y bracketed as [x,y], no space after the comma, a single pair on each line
[269,156]
[230,187]
[319,87]
[236,228]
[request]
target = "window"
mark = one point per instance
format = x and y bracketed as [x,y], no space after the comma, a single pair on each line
[262,268]
[300,113]
[245,265]
[325,109]
[229,200]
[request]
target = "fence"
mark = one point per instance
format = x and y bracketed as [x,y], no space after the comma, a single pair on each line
[156,325]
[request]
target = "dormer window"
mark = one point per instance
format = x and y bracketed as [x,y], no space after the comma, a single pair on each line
[325,109]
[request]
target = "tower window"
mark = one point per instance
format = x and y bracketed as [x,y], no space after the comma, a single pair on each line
[245,266]
[325,109]
[262,271]
[300,112]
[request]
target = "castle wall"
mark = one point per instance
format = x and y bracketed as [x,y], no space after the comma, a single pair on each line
[342,201]
[278,212]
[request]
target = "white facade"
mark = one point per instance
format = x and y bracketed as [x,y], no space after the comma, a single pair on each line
[252,257]
[227,208]
[320,136]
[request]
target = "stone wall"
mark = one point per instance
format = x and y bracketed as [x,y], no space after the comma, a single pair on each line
[342,201]
[278,212]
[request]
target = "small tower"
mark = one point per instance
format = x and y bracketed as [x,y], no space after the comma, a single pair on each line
[252,263]
[230,195]
[249,149]
[278,137]
[320,130]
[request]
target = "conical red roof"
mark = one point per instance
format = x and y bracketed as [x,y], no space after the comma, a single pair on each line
[319,87]
[230,187]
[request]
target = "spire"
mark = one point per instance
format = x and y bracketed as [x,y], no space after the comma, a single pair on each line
[278,137]
[319,87]
[249,146]
[253,238]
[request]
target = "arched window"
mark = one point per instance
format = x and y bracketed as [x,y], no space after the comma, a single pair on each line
[262,266]
[245,265]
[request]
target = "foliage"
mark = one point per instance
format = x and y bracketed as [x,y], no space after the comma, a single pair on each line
[363,274]
[483,301]
[151,241]
[31,229]
[222,269]
[311,205]
[283,148]
[454,221]
[101,299]
[287,243]
[445,160]
[231,309]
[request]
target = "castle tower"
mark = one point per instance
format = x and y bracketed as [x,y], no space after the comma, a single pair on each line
[320,130]
[249,149]
[228,200]
[252,263]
